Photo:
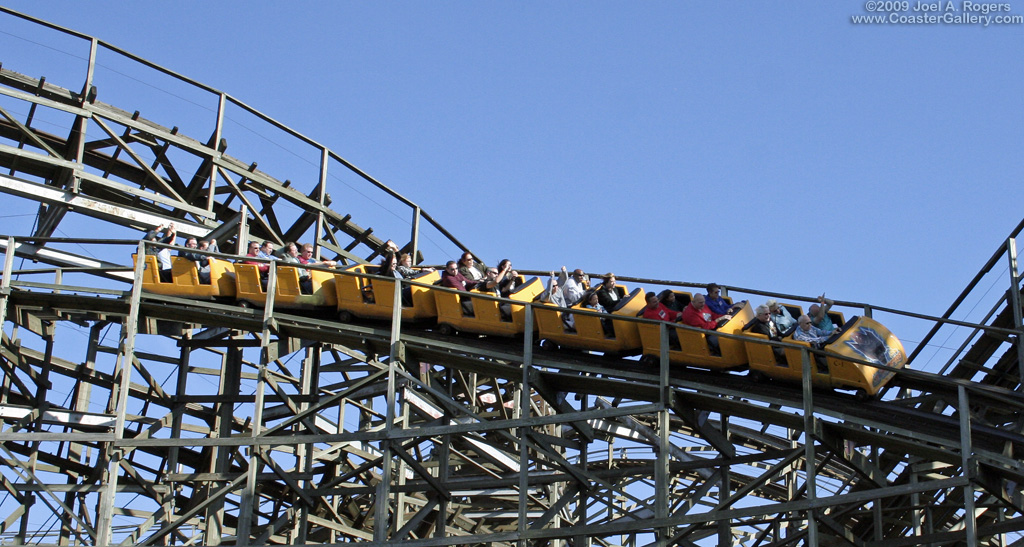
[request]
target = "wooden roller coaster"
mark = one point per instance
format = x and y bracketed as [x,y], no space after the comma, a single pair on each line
[135,418]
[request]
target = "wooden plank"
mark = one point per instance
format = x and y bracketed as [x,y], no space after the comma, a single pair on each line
[61,258]
[80,172]
[59,417]
[124,216]
[30,134]
[43,101]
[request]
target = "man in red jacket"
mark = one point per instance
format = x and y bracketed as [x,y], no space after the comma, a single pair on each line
[453,279]
[696,314]
[660,312]
[656,310]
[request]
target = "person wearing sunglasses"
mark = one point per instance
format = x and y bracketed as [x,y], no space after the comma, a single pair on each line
[573,286]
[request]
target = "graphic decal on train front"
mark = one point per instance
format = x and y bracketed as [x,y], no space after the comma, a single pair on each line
[869,341]
[869,345]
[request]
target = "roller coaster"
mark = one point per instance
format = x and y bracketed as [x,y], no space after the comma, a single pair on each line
[849,358]
[139,412]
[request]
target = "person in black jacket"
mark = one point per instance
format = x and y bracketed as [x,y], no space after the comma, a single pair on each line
[764,324]
[202,262]
[608,294]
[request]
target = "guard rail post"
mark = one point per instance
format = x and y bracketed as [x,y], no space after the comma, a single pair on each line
[809,456]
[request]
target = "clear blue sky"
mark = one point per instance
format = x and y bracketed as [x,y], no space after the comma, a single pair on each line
[773,145]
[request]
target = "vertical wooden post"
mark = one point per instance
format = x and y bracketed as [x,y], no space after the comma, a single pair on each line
[1015,303]
[382,523]
[218,132]
[966,468]
[322,199]
[809,457]
[414,252]
[661,470]
[105,516]
[396,358]
[247,504]
[523,433]
[5,282]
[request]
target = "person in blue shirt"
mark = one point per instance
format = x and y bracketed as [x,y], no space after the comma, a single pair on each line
[719,305]
[807,332]
[819,315]
[780,315]
[267,251]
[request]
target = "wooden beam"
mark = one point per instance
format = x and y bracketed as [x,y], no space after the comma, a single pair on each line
[150,173]
[268,231]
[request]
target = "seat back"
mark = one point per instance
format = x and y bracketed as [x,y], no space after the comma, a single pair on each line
[222,277]
[247,283]
[150,272]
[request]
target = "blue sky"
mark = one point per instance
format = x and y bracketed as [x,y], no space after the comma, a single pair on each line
[769,145]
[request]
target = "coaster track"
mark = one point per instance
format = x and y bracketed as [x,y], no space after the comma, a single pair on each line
[136,419]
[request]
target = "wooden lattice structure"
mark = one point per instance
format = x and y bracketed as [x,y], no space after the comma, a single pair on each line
[134,419]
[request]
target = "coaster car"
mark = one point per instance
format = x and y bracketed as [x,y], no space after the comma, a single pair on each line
[289,292]
[185,278]
[860,339]
[475,312]
[604,333]
[368,296]
[692,348]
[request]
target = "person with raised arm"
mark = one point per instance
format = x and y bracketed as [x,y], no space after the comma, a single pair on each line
[573,286]
[819,314]
[162,234]
[780,315]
